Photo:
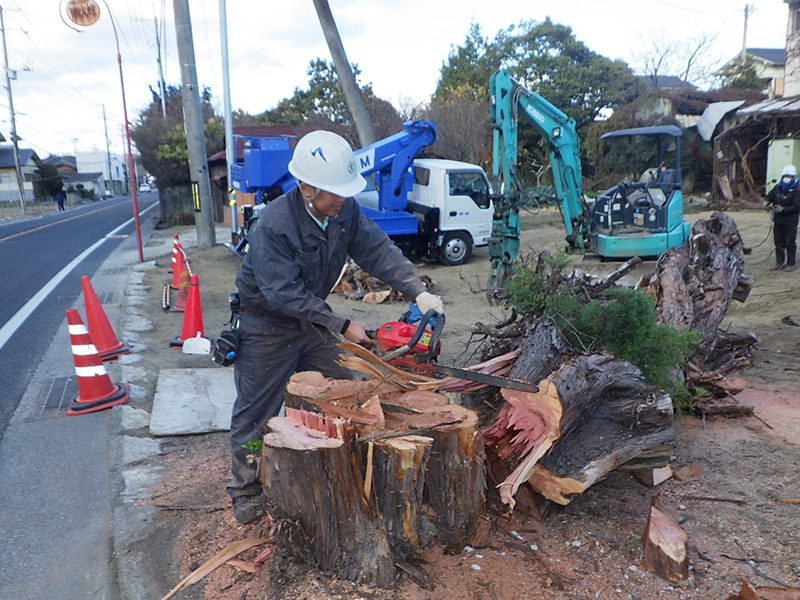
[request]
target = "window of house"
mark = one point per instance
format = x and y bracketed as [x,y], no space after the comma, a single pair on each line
[5,179]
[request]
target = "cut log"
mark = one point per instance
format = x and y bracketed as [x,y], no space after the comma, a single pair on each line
[653,477]
[608,417]
[665,547]
[311,480]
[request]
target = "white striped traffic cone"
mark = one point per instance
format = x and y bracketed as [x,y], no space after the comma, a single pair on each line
[95,390]
[175,249]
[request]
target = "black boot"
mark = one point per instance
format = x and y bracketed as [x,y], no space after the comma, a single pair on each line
[780,259]
[791,257]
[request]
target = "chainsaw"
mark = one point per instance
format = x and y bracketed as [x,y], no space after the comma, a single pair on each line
[413,343]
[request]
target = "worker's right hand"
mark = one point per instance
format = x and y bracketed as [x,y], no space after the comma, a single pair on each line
[764,204]
[427,301]
[778,208]
[356,332]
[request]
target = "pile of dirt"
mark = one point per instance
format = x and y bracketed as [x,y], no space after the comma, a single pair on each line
[741,516]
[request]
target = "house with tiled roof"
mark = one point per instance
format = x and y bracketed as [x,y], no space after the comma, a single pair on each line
[769,65]
[29,164]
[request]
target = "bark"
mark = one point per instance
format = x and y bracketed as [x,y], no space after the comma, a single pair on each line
[399,467]
[313,481]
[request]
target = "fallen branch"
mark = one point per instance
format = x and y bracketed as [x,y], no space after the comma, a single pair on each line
[223,556]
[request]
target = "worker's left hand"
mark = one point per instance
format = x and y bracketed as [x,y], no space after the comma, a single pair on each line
[427,301]
[778,208]
[764,203]
[356,332]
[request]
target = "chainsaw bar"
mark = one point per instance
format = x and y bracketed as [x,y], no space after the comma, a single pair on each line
[485,378]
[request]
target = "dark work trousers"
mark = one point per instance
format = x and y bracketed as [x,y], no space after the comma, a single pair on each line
[269,354]
[784,234]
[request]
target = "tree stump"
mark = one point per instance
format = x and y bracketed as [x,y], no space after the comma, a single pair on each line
[313,481]
[360,474]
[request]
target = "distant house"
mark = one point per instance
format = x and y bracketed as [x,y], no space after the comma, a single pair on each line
[87,186]
[665,82]
[29,167]
[769,64]
[63,164]
[114,179]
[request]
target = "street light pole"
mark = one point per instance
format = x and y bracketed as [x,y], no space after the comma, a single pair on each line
[86,15]
[134,198]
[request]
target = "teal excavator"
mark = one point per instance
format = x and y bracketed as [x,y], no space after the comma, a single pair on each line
[642,218]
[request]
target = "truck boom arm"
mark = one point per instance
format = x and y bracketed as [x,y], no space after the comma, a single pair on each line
[509,98]
[391,159]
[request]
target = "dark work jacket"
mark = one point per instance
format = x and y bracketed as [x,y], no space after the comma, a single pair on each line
[790,201]
[291,263]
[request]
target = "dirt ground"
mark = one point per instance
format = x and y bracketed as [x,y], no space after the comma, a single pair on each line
[742,517]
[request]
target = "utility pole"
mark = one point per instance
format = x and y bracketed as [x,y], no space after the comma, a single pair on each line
[352,93]
[193,125]
[108,147]
[748,10]
[162,87]
[228,116]
[14,138]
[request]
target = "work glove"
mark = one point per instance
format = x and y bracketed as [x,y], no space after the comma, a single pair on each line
[764,203]
[427,301]
[778,208]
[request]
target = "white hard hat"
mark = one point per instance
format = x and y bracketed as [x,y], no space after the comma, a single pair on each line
[789,170]
[325,160]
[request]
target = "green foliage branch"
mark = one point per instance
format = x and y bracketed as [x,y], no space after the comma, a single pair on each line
[621,322]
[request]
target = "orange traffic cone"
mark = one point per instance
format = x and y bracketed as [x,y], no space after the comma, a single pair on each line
[183,289]
[192,318]
[175,248]
[106,342]
[95,390]
[177,267]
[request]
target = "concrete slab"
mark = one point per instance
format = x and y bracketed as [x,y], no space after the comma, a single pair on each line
[191,401]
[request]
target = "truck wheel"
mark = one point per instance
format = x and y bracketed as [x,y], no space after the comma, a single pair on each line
[456,248]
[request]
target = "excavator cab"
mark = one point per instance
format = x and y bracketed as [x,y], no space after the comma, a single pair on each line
[644,217]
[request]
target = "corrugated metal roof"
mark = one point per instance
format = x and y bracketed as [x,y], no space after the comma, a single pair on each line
[777,106]
[773,55]
[713,114]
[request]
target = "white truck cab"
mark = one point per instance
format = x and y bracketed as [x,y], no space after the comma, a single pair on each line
[460,192]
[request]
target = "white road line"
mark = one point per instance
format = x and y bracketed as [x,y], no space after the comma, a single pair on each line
[31,305]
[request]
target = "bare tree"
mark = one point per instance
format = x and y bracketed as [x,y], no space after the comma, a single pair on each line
[688,58]
[462,125]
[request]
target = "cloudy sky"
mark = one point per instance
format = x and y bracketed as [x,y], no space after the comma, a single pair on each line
[65,79]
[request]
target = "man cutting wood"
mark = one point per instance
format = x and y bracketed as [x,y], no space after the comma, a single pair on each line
[297,248]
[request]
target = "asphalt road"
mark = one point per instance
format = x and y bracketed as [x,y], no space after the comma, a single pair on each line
[55,481]
[33,252]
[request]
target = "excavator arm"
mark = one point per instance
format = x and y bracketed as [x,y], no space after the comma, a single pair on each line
[511,101]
